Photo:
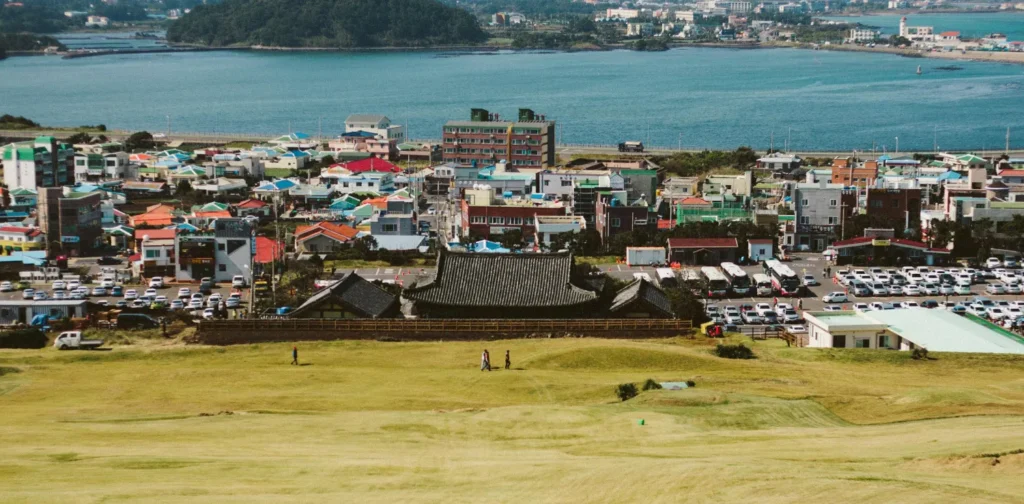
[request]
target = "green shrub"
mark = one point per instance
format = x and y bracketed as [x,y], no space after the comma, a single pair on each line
[650,384]
[23,338]
[734,352]
[919,354]
[690,383]
[626,391]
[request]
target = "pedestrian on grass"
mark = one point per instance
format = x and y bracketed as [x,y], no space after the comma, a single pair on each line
[485,361]
[508,360]
[295,356]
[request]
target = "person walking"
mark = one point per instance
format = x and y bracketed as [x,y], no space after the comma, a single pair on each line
[508,360]
[295,356]
[800,304]
[485,361]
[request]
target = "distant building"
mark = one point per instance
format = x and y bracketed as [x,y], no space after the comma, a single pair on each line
[21,238]
[916,33]
[228,252]
[96,167]
[621,14]
[485,139]
[42,162]
[639,29]
[377,124]
[820,210]
[507,19]
[72,221]
[862,35]
[849,172]
[97,21]
[350,297]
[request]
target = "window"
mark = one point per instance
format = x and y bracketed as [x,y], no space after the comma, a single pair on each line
[478,219]
[221,246]
[833,220]
[896,203]
[566,182]
[803,202]
[497,220]
[515,221]
[838,341]
[222,267]
[616,222]
[832,203]
[876,204]
[389,228]
[152,254]
[805,219]
[547,182]
[884,341]
[863,343]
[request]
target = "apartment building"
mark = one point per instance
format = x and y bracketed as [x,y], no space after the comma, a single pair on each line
[820,210]
[486,214]
[850,172]
[96,167]
[486,139]
[378,125]
[221,255]
[42,162]
[72,221]
[898,205]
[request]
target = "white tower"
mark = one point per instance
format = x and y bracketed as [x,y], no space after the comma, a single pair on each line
[903,26]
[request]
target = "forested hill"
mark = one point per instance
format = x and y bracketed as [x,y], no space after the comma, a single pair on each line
[327,23]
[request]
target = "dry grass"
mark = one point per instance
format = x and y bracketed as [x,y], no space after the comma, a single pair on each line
[401,422]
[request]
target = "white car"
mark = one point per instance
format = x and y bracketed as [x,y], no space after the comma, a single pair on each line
[833,307]
[176,304]
[156,283]
[107,283]
[947,290]
[964,280]
[238,281]
[99,291]
[996,313]
[28,293]
[964,290]
[782,307]
[58,285]
[195,304]
[73,284]
[711,311]
[978,310]
[878,305]
[911,290]
[732,315]
[197,296]
[184,292]
[131,294]
[1013,312]
[995,288]
[810,281]
[909,304]
[835,297]
[878,289]
[861,307]
[797,329]
[6,286]
[762,308]
[993,262]
[789,316]
[209,313]
[883,278]
[150,292]
[915,278]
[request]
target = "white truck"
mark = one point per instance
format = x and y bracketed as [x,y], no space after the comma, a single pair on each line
[72,340]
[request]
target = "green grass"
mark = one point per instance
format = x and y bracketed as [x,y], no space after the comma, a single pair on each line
[597,260]
[279,172]
[366,421]
[360,263]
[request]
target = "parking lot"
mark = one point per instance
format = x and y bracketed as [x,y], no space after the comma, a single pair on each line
[170,291]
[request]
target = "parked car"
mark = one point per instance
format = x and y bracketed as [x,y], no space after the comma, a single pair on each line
[790,316]
[108,261]
[995,288]
[235,303]
[99,291]
[6,286]
[832,307]
[1012,288]
[107,283]
[929,303]
[28,293]
[762,309]
[150,293]
[131,295]
[184,293]
[947,290]
[835,297]
[993,262]
[121,304]
[39,296]
[978,310]
[136,321]
[209,313]
[72,340]
[877,289]
[861,307]
[911,290]
[996,313]
[206,285]
[909,304]
[237,282]
[732,314]
[963,290]
[861,289]
[1010,263]
[156,283]
[810,281]
[117,291]
[750,317]
[781,308]
[176,304]
[58,285]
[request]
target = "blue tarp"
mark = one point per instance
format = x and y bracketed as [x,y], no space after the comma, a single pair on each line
[489,246]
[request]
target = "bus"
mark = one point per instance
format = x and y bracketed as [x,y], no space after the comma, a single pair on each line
[631,146]
[784,281]
[718,285]
[667,278]
[763,284]
[738,279]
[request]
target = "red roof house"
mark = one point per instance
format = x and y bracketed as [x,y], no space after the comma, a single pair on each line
[370,164]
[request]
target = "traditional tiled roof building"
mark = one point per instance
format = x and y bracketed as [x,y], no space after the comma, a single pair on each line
[471,285]
[351,297]
[641,299]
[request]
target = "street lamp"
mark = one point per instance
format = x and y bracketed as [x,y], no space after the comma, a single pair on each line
[897,145]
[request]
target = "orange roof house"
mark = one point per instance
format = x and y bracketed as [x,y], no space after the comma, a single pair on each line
[323,237]
[155,215]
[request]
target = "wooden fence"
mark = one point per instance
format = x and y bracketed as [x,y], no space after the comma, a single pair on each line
[221,332]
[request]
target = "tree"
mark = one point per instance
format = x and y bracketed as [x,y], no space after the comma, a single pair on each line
[581,24]
[79,138]
[512,239]
[687,306]
[1015,232]
[364,246]
[982,231]
[141,140]
[184,188]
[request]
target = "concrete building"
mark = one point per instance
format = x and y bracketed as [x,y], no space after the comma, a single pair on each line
[550,225]
[901,206]
[819,211]
[485,214]
[486,139]
[397,219]
[916,33]
[850,172]
[639,29]
[72,221]
[862,35]
[779,162]
[622,14]
[616,215]
[157,248]
[97,167]
[227,252]
[21,238]
[347,183]
[736,185]
[936,330]
[42,162]
[378,125]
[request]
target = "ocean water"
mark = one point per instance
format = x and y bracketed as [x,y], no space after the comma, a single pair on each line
[970,25]
[693,97]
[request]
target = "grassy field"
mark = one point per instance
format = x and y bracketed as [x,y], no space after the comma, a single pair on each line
[418,422]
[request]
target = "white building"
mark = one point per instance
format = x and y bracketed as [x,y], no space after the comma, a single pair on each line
[916,33]
[862,35]
[639,29]
[227,253]
[42,162]
[622,14]
[379,182]
[550,225]
[377,124]
[97,21]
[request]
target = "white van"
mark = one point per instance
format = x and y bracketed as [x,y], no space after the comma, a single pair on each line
[763,284]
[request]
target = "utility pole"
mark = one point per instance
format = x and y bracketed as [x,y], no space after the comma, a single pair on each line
[771,144]
[679,145]
[897,146]
[273,260]
[789,139]
[168,126]
[1007,140]
[935,139]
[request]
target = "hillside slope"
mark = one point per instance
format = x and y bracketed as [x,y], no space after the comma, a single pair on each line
[327,23]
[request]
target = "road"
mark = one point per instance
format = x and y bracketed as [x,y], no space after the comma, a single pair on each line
[561,149]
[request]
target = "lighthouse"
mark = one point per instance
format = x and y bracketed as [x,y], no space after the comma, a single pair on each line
[903,26]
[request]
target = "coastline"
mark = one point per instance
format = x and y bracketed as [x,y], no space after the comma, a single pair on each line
[1014,58]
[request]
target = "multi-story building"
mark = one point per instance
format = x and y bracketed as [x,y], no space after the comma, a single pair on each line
[42,162]
[347,183]
[487,215]
[623,14]
[21,238]
[897,205]
[379,125]
[548,226]
[72,221]
[639,29]
[397,219]
[94,167]
[850,172]
[485,139]
[227,252]
[736,185]
[859,34]
[820,210]
[613,215]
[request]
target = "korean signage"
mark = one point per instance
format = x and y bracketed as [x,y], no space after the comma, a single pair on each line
[69,239]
